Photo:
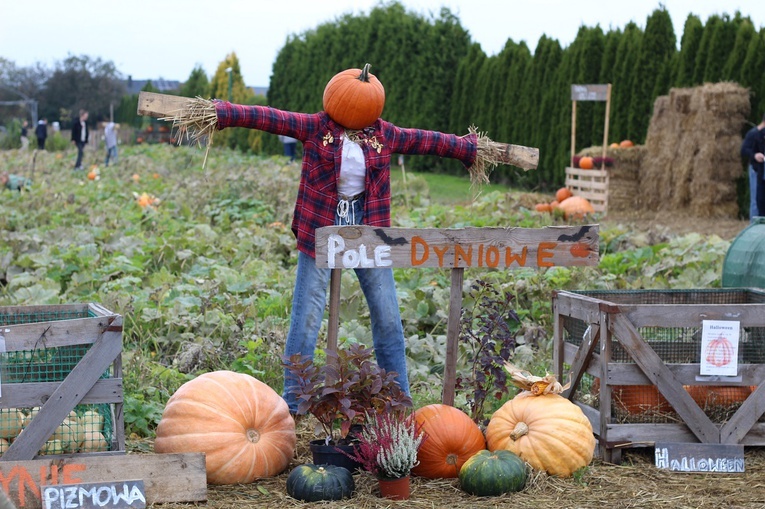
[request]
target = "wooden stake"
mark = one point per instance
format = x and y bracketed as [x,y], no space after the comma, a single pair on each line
[452,336]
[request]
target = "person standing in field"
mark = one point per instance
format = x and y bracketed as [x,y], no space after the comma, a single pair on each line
[110,138]
[753,149]
[80,135]
[41,132]
[290,144]
[24,135]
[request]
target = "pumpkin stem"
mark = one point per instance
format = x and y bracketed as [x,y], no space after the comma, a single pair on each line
[364,76]
[520,430]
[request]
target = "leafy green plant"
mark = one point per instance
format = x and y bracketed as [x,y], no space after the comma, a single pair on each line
[141,415]
[488,339]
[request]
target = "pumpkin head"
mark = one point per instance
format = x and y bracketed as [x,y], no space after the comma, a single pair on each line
[451,438]
[549,432]
[242,425]
[354,98]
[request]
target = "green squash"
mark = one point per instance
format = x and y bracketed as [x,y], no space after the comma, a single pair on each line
[488,473]
[311,483]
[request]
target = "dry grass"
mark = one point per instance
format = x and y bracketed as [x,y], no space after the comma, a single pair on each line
[636,483]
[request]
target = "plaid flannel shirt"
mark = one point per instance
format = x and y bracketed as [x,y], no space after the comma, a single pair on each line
[322,150]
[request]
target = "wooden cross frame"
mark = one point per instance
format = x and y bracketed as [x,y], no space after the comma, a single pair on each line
[339,247]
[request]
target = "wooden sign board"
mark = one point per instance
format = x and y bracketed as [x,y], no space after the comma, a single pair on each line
[503,248]
[694,457]
[97,495]
[167,477]
[589,92]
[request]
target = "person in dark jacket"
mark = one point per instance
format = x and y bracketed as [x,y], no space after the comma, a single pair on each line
[80,133]
[753,149]
[41,131]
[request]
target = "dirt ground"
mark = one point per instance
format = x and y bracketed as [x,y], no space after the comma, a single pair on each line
[677,223]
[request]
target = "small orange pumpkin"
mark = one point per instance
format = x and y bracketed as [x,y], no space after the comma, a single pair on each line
[242,425]
[451,438]
[614,145]
[543,207]
[563,193]
[626,144]
[354,98]
[586,163]
[576,207]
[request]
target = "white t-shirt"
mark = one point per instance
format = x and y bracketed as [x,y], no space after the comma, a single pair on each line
[353,169]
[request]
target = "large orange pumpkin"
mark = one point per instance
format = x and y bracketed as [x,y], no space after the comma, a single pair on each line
[576,207]
[626,144]
[586,163]
[242,425]
[451,438]
[354,98]
[547,431]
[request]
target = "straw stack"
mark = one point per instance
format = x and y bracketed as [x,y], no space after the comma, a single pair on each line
[692,150]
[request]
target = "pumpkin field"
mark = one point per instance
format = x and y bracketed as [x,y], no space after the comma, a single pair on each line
[201,265]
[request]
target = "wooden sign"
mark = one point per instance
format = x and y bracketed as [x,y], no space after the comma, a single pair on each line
[694,457]
[115,495]
[167,477]
[353,247]
[589,92]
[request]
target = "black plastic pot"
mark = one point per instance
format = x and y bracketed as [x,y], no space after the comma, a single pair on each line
[330,455]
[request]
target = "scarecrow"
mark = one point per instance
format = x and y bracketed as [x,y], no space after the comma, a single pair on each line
[345,180]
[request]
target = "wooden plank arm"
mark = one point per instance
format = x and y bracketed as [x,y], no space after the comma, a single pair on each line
[161,105]
[520,156]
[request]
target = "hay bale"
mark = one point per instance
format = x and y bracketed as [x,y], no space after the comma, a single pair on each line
[692,149]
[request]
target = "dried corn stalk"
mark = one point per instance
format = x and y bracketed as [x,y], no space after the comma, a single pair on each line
[533,385]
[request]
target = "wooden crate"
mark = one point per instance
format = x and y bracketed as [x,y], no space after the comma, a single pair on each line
[589,184]
[56,360]
[650,338]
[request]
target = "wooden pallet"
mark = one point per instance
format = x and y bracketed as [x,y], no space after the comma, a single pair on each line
[589,184]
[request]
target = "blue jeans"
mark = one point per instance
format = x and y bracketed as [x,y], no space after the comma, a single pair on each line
[309,302]
[111,153]
[753,212]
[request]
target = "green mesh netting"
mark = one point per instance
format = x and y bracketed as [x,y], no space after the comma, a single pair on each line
[53,364]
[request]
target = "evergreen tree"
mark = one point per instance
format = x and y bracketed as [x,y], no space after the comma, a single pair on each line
[627,53]
[720,47]
[689,48]
[197,84]
[703,52]
[656,50]
[752,75]
[732,70]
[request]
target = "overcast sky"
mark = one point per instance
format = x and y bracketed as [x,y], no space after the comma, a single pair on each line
[150,39]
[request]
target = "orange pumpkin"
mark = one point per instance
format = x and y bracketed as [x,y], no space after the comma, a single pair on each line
[614,145]
[242,425]
[626,144]
[707,396]
[586,163]
[451,438]
[639,399]
[547,431]
[354,98]
[576,207]
[543,207]
[563,193]
[92,175]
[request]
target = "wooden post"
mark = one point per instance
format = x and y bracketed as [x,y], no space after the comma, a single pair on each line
[605,128]
[334,309]
[452,336]
[573,131]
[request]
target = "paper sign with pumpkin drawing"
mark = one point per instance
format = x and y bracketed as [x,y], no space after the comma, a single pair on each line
[719,347]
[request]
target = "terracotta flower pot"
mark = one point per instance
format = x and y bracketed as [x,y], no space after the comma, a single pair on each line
[394,489]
